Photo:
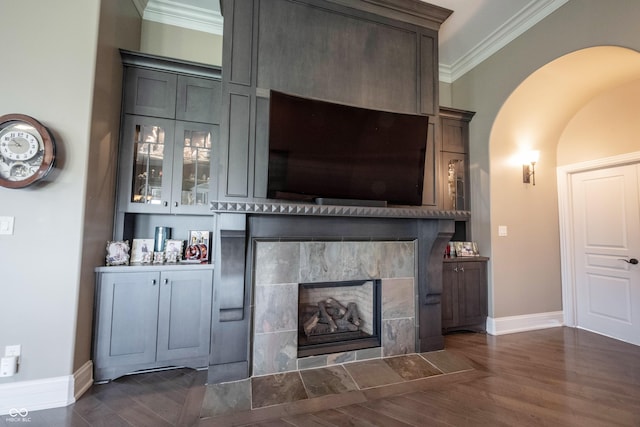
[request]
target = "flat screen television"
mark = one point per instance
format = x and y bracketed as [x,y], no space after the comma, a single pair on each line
[319,149]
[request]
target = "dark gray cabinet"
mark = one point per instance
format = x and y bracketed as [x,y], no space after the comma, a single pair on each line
[172,90]
[464,294]
[149,317]
[454,159]
[167,166]
[169,136]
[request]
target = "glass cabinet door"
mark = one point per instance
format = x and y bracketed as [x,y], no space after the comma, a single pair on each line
[148,146]
[148,157]
[195,157]
[455,182]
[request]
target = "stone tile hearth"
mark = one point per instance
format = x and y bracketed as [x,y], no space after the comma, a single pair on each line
[281,266]
[258,393]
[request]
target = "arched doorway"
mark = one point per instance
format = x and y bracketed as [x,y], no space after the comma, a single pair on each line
[527,268]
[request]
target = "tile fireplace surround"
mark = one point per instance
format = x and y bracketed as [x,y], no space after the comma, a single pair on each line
[272,254]
[281,266]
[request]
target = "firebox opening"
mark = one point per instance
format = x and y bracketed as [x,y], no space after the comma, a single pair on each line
[339,316]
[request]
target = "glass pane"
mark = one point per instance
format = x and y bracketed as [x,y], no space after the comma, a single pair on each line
[147,164]
[455,180]
[195,167]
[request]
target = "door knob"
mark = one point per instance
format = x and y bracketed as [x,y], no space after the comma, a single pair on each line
[633,261]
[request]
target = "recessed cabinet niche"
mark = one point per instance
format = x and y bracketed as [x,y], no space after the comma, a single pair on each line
[454,136]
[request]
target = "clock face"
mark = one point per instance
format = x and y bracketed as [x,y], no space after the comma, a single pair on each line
[27,151]
[16,144]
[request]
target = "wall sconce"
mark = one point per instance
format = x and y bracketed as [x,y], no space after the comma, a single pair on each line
[529,168]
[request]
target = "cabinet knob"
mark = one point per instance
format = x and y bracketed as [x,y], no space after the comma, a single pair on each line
[455,269]
[166,281]
[153,282]
[165,204]
[461,268]
[175,204]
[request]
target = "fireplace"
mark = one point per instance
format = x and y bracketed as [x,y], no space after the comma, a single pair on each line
[338,316]
[281,266]
[255,326]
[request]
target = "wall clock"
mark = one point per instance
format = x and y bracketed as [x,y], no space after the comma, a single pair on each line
[27,151]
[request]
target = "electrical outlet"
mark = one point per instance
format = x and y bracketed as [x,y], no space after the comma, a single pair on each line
[12,350]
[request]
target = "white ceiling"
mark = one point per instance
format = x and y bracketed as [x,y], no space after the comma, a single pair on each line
[475,30]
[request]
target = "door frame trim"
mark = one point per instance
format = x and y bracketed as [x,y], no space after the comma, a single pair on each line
[565,214]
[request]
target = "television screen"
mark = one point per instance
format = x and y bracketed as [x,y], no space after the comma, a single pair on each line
[319,149]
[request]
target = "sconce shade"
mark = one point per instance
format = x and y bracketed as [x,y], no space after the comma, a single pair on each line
[529,174]
[529,170]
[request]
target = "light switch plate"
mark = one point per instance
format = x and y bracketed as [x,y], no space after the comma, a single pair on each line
[502,230]
[6,225]
[12,350]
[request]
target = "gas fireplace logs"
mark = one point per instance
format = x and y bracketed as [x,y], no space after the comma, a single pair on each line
[329,316]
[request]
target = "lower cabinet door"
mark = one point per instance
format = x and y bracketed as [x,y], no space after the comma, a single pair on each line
[126,319]
[184,314]
[472,288]
[449,297]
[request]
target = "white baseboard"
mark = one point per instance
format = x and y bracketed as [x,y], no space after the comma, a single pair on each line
[46,393]
[527,322]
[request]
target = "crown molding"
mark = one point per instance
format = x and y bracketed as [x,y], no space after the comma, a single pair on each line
[180,15]
[530,15]
[140,6]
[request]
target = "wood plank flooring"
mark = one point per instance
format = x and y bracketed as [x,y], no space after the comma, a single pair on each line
[551,377]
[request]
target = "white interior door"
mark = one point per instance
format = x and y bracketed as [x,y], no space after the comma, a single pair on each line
[606,230]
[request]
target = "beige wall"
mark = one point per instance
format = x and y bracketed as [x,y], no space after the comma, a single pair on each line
[119,27]
[606,126]
[181,43]
[54,84]
[524,269]
[46,303]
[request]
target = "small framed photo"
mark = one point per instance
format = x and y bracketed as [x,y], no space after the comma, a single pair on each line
[199,245]
[173,250]
[117,252]
[466,249]
[142,251]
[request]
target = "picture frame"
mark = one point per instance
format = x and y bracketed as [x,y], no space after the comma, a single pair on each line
[466,249]
[141,251]
[117,252]
[173,250]
[199,246]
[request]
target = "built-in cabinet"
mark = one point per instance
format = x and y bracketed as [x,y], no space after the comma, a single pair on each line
[464,294]
[454,158]
[149,317]
[169,136]
[167,166]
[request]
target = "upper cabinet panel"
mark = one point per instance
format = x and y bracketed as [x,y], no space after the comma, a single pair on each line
[150,93]
[198,100]
[338,57]
[238,41]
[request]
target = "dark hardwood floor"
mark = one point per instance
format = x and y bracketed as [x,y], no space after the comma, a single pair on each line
[551,377]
